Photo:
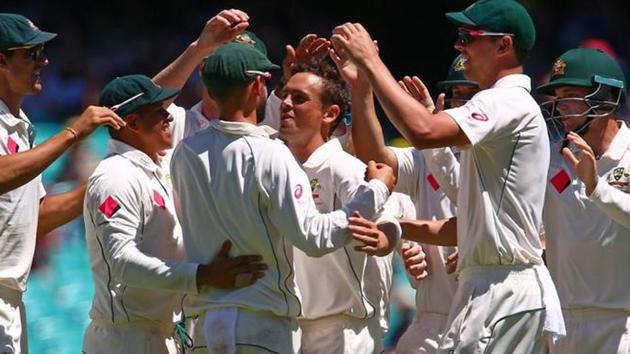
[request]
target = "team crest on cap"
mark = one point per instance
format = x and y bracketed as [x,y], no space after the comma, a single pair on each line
[245,39]
[459,65]
[558,68]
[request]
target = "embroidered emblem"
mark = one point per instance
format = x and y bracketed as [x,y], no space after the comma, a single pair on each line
[109,207]
[561,181]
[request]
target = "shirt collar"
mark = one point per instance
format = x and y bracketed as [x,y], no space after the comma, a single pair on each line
[619,144]
[514,80]
[9,119]
[134,155]
[323,153]
[240,128]
[197,113]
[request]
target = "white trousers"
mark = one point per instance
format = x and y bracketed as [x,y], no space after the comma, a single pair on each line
[595,331]
[241,331]
[13,338]
[137,338]
[496,309]
[423,335]
[338,334]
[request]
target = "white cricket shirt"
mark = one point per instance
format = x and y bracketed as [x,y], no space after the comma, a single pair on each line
[19,208]
[502,176]
[588,238]
[435,292]
[134,241]
[234,183]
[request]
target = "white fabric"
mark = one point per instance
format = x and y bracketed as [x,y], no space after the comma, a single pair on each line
[498,307]
[423,334]
[500,217]
[234,183]
[595,331]
[146,338]
[135,243]
[272,111]
[253,332]
[588,239]
[337,334]
[335,177]
[435,292]
[19,208]
[500,198]
[220,326]
[13,337]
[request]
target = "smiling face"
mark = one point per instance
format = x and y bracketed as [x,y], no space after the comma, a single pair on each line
[151,125]
[304,115]
[482,55]
[21,69]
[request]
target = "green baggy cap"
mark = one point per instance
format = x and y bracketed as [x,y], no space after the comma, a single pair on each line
[17,31]
[124,88]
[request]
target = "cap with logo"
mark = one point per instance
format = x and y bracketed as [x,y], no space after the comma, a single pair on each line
[502,16]
[234,64]
[585,67]
[16,31]
[132,92]
[249,37]
[456,75]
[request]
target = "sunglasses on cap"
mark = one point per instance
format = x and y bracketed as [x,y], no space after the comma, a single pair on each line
[265,74]
[467,35]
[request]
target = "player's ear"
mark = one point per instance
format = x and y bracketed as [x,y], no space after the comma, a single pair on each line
[505,43]
[331,113]
[3,60]
[132,121]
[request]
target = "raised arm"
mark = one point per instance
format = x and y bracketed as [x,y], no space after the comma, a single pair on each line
[17,169]
[367,134]
[220,29]
[416,123]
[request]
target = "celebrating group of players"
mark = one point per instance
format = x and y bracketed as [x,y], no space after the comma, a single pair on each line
[257,222]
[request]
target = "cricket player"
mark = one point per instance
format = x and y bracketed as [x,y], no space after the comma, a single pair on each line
[133,236]
[587,205]
[505,299]
[245,187]
[25,209]
[434,293]
[341,306]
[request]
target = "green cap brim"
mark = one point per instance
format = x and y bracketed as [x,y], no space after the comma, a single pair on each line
[164,95]
[460,19]
[41,37]
[449,83]
[547,89]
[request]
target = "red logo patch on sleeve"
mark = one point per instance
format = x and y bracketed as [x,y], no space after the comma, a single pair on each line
[109,207]
[433,182]
[159,200]
[479,116]
[12,146]
[561,181]
[297,193]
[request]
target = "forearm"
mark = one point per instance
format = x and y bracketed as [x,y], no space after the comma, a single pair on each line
[177,73]
[613,202]
[435,232]
[59,209]
[367,134]
[18,169]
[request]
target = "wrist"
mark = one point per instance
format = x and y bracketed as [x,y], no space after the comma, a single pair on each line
[201,51]
[72,135]
[590,188]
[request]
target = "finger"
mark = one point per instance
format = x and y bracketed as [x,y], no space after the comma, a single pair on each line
[339,42]
[422,276]
[230,16]
[250,258]
[241,14]
[335,58]
[571,159]
[307,40]
[403,86]
[224,251]
[220,19]
[439,106]
[452,256]
[248,268]
[240,27]
[405,246]
[580,143]
[366,240]
[367,249]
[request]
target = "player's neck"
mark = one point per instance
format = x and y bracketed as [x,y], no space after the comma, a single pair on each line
[601,134]
[501,73]
[302,151]
[209,108]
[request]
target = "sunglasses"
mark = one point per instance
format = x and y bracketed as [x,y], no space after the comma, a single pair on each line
[265,74]
[466,35]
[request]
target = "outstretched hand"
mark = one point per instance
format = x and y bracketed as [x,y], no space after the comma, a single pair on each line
[353,40]
[227,272]
[222,28]
[418,90]
[310,47]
